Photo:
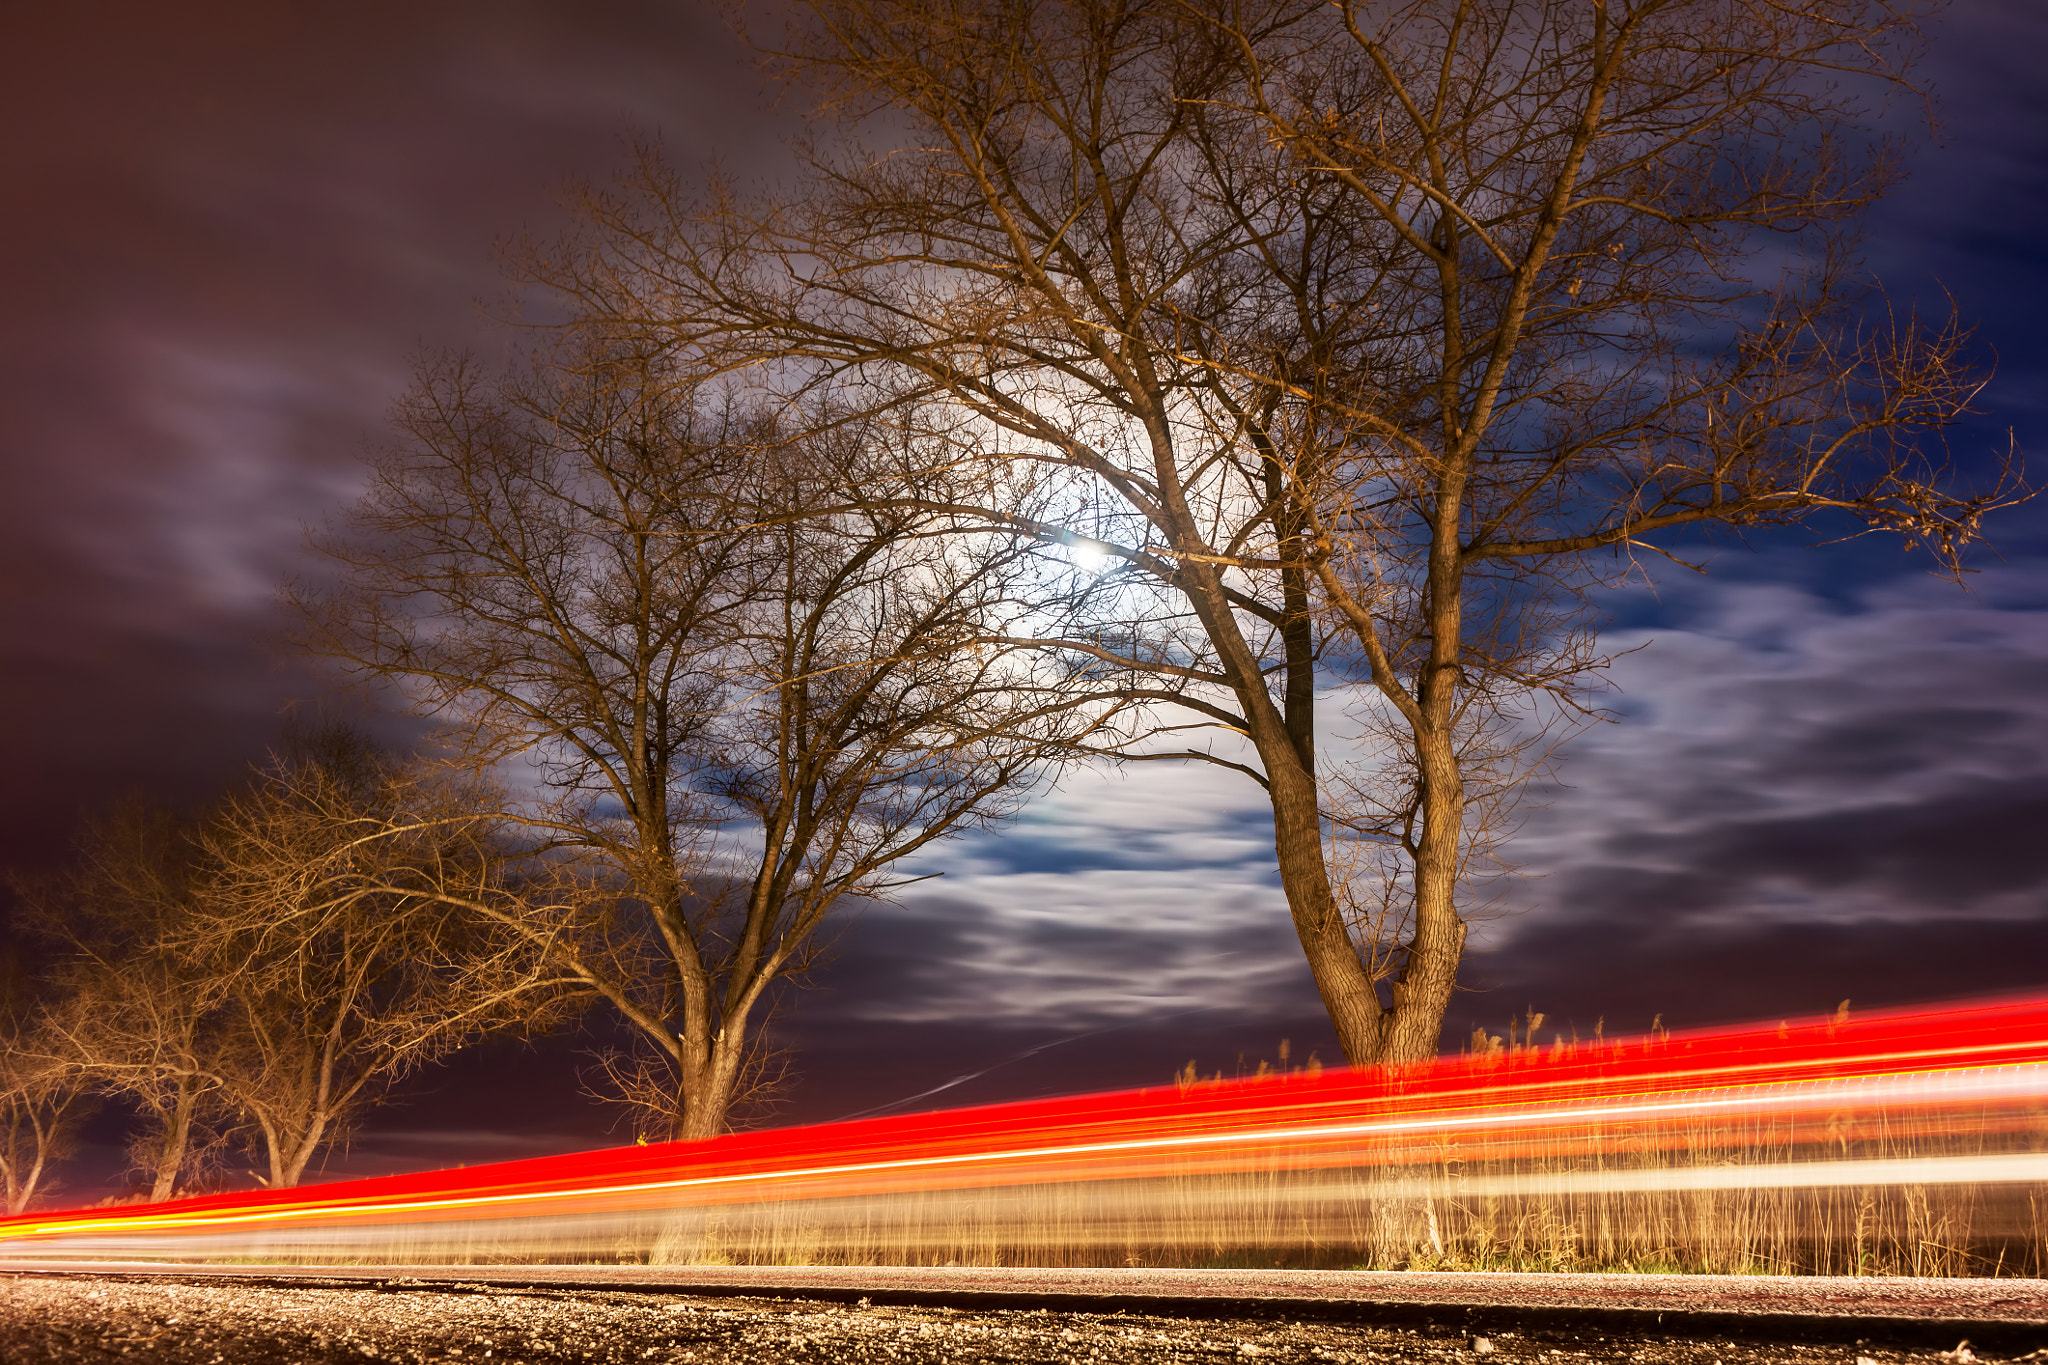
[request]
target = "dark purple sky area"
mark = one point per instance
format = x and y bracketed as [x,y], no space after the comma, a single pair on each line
[229,228]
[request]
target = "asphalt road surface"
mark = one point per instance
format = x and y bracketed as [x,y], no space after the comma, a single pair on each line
[230,1315]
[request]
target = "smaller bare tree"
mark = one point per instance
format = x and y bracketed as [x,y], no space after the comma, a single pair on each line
[149,1030]
[43,1097]
[333,914]
[143,1021]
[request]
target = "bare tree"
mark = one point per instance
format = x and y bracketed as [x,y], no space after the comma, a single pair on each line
[152,1030]
[740,711]
[266,970]
[1360,341]
[334,918]
[41,1104]
[144,1022]
[43,1095]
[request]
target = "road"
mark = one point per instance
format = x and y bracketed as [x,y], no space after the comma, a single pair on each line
[196,1315]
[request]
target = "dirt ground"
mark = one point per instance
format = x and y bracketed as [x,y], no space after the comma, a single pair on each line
[67,1319]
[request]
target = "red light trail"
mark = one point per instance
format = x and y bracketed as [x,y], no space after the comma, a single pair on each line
[1950,1096]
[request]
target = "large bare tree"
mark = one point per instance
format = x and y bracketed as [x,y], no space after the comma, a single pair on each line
[738,710]
[1361,341]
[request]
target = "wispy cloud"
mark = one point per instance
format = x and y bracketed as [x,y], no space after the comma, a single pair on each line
[1800,798]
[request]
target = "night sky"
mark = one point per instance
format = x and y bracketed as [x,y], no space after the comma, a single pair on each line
[231,229]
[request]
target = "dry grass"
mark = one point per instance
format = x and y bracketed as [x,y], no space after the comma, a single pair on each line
[1327,1220]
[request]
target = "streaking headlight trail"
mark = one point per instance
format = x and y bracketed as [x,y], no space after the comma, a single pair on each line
[1905,1142]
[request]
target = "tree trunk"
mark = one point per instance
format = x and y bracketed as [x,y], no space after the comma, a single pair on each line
[1429,970]
[170,1158]
[1341,976]
[22,1189]
[1407,1028]
[1286,752]
[273,1149]
[289,1151]
[21,1184]
[708,1087]
[289,1167]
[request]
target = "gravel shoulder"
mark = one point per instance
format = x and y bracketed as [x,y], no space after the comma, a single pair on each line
[227,1316]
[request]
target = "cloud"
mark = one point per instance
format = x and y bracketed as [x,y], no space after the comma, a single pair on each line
[1803,799]
[1118,893]
[237,222]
